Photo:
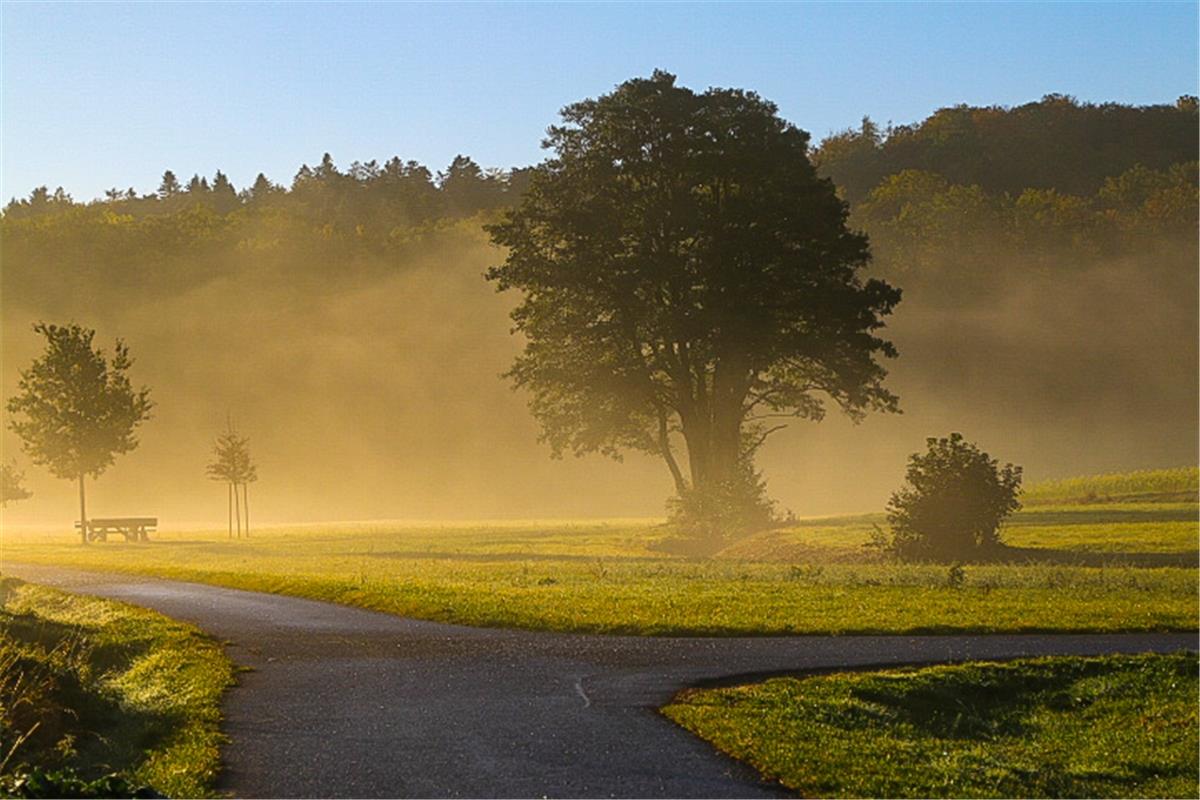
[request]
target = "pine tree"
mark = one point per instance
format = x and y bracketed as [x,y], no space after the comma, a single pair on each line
[170,185]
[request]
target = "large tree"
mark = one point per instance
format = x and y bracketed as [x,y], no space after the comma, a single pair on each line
[686,273]
[76,409]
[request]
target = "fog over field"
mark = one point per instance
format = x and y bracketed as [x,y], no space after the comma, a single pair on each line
[375,392]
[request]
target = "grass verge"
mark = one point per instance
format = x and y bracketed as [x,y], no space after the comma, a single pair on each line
[96,687]
[1114,726]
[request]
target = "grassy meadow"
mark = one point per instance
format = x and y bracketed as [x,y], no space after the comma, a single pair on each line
[1075,567]
[1116,726]
[97,688]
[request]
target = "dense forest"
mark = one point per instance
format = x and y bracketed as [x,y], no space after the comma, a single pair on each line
[1047,255]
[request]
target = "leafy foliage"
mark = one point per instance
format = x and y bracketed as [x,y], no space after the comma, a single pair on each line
[1056,143]
[75,409]
[954,499]
[66,783]
[11,487]
[685,271]
[961,244]
[233,463]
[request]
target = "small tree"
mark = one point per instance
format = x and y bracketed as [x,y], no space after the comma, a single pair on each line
[245,473]
[11,488]
[234,466]
[75,409]
[954,498]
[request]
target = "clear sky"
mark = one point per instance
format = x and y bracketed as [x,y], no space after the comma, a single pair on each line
[102,94]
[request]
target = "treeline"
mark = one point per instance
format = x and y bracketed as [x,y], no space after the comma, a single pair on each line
[955,242]
[365,196]
[331,222]
[1055,143]
[952,204]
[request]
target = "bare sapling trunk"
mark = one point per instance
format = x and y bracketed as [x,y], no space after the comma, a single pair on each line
[83,521]
[231,510]
[246,506]
[237,510]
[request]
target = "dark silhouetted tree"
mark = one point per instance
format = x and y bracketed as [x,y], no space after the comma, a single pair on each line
[224,196]
[75,409]
[952,503]
[197,185]
[170,185]
[263,188]
[685,270]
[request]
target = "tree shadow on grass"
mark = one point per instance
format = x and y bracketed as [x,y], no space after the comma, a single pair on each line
[979,703]
[56,710]
[1086,558]
[1100,516]
[434,555]
[985,703]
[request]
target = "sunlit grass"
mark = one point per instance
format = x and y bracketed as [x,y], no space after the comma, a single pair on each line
[99,686]
[1118,726]
[1109,527]
[1181,483]
[814,577]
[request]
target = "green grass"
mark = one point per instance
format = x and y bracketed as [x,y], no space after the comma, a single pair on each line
[95,687]
[813,577]
[1180,484]
[1058,529]
[1117,726]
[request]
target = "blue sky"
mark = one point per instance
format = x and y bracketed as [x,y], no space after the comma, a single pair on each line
[100,95]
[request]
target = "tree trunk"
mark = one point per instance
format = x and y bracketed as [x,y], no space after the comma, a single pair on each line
[237,510]
[713,434]
[246,505]
[664,446]
[83,521]
[231,510]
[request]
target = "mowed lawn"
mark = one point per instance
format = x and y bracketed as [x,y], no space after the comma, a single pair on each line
[1115,726]
[812,577]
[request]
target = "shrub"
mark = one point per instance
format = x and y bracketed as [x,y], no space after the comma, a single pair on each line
[707,520]
[954,498]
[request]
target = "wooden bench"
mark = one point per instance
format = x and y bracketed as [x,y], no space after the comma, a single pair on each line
[134,529]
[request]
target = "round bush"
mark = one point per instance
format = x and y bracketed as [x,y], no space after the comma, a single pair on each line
[952,503]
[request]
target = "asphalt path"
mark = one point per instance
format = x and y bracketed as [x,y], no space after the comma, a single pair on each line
[342,702]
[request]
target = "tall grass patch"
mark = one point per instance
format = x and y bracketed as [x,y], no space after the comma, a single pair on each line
[94,687]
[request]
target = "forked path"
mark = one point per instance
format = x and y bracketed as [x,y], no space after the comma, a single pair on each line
[344,702]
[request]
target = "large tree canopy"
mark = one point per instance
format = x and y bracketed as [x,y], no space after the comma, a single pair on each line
[685,271]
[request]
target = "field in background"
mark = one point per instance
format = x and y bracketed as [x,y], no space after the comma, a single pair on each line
[1155,485]
[1090,567]
[1117,726]
[96,687]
